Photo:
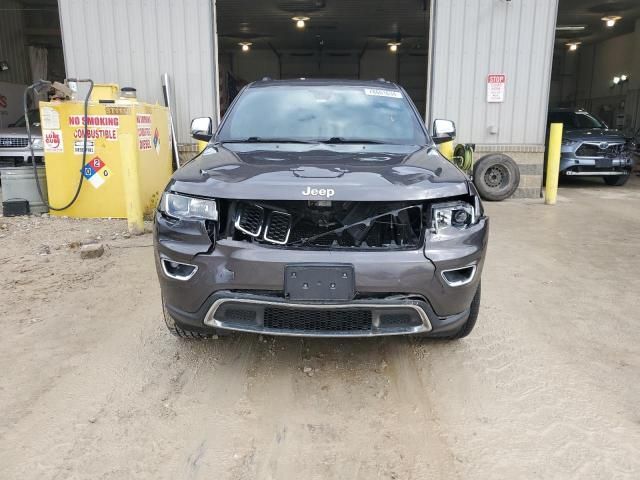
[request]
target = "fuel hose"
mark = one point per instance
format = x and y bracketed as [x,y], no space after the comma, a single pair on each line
[35,87]
[463,156]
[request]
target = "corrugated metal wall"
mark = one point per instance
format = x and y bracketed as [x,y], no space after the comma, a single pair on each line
[475,38]
[12,44]
[133,42]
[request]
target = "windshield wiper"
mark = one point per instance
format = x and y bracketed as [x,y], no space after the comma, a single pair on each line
[267,140]
[353,140]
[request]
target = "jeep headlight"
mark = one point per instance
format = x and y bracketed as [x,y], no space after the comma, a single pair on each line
[183,207]
[457,215]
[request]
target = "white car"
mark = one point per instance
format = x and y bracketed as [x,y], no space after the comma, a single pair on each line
[14,142]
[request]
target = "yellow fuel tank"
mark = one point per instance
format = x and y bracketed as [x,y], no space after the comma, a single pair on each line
[128,156]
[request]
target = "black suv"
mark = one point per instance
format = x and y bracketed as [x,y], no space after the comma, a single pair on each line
[321,208]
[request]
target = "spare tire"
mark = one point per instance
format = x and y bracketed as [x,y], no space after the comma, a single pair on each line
[496,176]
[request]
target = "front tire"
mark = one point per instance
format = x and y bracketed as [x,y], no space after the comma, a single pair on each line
[180,332]
[616,180]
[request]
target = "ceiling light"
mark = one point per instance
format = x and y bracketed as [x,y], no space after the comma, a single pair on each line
[245,46]
[616,80]
[570,28]
[300,21]
[611,21]
[624,78]
[393,46]
[573,46]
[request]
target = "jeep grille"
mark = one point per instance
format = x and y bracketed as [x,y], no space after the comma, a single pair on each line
[329,225]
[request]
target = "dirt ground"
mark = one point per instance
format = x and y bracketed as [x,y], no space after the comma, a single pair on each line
[547,386]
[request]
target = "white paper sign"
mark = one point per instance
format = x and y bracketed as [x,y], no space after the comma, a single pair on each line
[49,118]
[496,87]
[380,92]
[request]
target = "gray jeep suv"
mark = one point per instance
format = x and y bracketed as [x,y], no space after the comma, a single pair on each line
[321,208]
[590,148]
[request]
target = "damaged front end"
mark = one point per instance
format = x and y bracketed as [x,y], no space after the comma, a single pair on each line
[407,266]
[326,224]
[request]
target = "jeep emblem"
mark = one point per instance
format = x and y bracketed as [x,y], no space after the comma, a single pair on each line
[319,192]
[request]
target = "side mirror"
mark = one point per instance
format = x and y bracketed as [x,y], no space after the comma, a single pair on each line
[202,128]
[443,131]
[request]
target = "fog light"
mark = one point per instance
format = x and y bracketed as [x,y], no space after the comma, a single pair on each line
[177,270]
[457,277]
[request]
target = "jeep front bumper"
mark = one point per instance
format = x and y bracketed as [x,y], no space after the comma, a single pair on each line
[240,286]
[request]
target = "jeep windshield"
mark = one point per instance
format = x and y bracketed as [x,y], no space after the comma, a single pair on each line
[318,113]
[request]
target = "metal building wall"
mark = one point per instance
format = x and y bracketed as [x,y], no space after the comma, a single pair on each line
[12,44]
[133,42]
[475,38]
[471,39]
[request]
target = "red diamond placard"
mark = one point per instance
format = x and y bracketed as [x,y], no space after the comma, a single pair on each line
[97,163]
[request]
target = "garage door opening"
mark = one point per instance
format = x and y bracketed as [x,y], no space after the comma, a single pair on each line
[595,65]
[355,39]
[30,49]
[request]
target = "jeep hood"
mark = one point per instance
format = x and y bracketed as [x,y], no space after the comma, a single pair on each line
[595,135]
[350,172]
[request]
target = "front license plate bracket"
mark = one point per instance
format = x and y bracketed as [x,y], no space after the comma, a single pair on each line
[312,282]
[604,162]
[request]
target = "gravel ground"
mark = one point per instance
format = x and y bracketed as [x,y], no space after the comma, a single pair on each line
[547,386]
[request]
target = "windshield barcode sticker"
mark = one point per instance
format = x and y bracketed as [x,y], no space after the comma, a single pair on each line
[378,92]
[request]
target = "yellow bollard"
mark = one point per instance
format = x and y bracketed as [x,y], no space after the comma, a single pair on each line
[446,149]
[553,164]
[131,179]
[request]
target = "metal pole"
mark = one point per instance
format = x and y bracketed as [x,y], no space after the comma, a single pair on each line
[166,91]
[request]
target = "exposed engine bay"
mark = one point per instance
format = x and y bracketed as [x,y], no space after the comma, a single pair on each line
[326,224]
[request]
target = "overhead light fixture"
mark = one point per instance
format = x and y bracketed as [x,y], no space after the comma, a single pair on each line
[616,80]
[4,66]
[573,46]
[624,78]
[300,21]
[245,46]
[570,28]
[611,21]
[393,46]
